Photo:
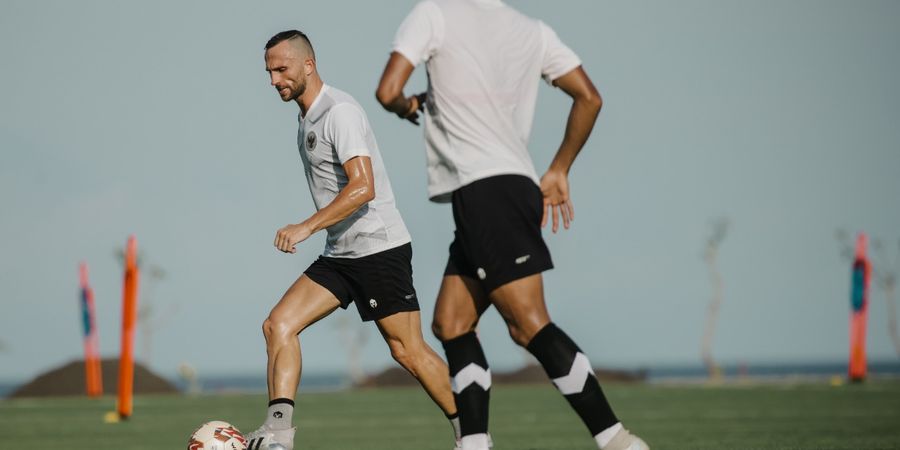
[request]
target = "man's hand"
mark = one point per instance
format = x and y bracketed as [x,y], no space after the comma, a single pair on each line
[555,188]
[390,89]
[416,104]
[289,236]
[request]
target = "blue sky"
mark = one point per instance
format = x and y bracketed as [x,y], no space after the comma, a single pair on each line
[156,118]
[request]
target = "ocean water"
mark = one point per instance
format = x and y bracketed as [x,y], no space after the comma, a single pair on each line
[7,387]
[318,382]
[314,382]
[772,371]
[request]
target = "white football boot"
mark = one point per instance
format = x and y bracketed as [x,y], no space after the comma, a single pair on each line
[623,440]
[265,438]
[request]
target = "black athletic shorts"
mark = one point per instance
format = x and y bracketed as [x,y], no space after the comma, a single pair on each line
[498,231]
[380,284]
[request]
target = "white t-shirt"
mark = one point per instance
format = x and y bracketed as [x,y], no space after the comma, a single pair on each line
[484,61]
[335,130]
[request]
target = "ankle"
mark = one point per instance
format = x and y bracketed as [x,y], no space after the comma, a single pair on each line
[280,414]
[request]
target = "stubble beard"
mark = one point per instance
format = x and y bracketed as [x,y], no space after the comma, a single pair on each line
[298,92]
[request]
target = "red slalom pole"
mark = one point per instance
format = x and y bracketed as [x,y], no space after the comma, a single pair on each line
[92,374]
[859,304]
[129,319]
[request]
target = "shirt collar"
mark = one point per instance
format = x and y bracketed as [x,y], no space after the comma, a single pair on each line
[312,107]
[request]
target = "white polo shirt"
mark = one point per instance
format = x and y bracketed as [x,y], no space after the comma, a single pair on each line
[484,61]
[333,131]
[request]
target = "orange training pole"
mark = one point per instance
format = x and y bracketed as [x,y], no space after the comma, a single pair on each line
[129,318]
[92,373]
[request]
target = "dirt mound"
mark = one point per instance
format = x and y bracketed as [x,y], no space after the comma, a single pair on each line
[392,376]
[70,380]
[396,376]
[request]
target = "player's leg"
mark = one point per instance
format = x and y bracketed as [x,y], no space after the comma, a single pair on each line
[384,293]
[304,303]
[521,303]
[460,304]
[499,231]
[403,334]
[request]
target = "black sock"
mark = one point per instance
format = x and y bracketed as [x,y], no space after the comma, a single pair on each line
[560,357]
[470,378]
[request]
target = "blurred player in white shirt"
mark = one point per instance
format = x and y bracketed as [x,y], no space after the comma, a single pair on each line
[484,61]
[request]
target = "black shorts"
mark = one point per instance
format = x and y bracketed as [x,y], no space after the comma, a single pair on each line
[380,284]
[498,231]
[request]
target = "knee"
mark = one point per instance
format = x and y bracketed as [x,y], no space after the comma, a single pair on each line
[518,335]
[275,329]
[446,329]
[443,330]
[523,332]
[437,329]
[267,328]
[405,357]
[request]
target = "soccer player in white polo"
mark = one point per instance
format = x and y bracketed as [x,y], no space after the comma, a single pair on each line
[367,258]
[484,62]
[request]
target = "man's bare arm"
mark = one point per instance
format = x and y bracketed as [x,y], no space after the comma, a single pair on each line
[586,104]
[390,89]
[360,189]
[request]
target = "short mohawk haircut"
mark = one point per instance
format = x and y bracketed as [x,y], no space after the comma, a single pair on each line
[288,36]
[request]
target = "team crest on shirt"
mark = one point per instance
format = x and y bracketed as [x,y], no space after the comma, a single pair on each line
[311,141]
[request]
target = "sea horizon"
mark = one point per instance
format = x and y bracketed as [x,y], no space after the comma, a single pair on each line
[332,381]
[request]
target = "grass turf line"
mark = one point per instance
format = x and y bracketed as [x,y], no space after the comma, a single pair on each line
[805,416]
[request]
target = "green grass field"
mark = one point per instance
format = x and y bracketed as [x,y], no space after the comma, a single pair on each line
[804,416]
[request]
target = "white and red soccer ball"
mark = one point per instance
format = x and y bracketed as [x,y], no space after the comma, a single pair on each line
[217,435]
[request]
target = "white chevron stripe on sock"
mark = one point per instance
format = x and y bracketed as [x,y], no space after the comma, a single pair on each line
[473,373]
[573,383]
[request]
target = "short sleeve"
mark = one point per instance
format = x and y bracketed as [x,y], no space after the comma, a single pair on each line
[348,128]
[421,33]
[558,59]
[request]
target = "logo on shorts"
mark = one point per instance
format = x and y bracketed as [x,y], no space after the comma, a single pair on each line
[311,141]
[481,274]
[372,303]
[522,259]
[409,297]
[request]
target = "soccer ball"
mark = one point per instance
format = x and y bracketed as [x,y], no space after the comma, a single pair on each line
[217,435]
